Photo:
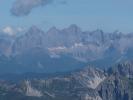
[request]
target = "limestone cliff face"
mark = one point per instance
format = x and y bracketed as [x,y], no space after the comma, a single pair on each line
[119,84]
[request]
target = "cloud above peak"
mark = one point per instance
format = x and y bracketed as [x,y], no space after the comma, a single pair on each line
[10,31]
[24,7]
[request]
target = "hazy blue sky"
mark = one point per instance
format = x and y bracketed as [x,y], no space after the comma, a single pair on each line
[108,15]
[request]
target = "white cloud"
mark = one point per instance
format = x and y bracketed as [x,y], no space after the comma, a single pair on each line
[9,31]
[24,7]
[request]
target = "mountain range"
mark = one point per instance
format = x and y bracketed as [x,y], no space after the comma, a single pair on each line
[59,50]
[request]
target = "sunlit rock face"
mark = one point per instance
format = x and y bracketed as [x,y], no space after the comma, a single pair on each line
[31,91]
[90,77]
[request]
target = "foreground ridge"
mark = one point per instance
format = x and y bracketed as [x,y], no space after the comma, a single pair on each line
[88,83]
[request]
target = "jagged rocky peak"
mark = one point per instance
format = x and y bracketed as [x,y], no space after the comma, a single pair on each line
[118,85]
[117,35]
[123,69]
[97,32]
[53,30]
[99,35]
[34,30]
[92,71]
[31,39]
[90,77]
[73,29]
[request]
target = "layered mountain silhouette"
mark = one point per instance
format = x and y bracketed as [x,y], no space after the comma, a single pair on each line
[63,50]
